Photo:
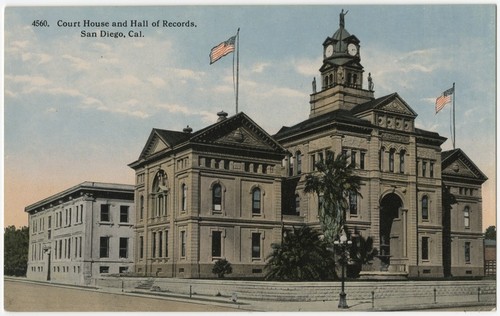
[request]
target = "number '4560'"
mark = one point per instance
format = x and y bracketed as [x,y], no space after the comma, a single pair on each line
[40,23]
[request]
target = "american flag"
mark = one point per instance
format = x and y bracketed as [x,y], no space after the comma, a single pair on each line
[222,49]
[445,98]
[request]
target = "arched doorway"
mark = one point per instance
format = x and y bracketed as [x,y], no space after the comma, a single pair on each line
[390,229]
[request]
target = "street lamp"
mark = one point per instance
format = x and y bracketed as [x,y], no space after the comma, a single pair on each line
[343,244]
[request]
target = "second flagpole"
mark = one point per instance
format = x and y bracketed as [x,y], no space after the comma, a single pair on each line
[237,66]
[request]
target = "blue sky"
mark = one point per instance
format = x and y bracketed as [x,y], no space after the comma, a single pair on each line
[81,109]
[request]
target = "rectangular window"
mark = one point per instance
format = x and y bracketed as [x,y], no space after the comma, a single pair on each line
[123,247]
[313,162]
[255,245]
[160,246]
[141,247]
[431,169]
[153,245]
[353,203]
[80,248]
[424,168]
[103,269]
[425,248]
[353,158]
[183,243]
[105,213]
[467,252]
[466,217]
[50,222]
[362,160]
[123,214]
[69,248]
[166,243]
[123,269]
[104,247]
[216,244]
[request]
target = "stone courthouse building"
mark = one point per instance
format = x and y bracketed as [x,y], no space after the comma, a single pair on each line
[82,233]
[229,190]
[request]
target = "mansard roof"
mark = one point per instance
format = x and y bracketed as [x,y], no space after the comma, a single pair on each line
[236,132]
[342,117]
[457,166]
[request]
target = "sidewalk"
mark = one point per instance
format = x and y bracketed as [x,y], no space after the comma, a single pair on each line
[404,304]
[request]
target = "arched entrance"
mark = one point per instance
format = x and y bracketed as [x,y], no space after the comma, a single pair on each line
[390,229]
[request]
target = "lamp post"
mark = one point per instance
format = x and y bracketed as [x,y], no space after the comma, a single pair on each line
[343,244]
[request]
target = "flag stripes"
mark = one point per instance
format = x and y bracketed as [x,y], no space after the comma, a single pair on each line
[444,99]
[222,49]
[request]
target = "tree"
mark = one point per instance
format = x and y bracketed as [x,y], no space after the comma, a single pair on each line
[490,233]
[222,267]
[333,183]
[302,256]
[360,253]
[16,243]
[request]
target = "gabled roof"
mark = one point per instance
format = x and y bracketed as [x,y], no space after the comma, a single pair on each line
[236,132]
[383,104]
[456,164]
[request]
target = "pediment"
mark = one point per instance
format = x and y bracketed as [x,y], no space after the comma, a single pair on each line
[397,106]
[156,144]
[242,137]
[457,164]
[458,168]
[238,132]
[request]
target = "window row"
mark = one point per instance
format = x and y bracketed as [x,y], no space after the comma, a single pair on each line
[466,191]
[225,164]
[425,168]
[387,160]
[104,247]
[37,253]
[69,216]
[105,269]
[66,269]
[62,248]
[106,214]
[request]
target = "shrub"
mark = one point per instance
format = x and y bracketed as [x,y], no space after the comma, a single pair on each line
[221,268]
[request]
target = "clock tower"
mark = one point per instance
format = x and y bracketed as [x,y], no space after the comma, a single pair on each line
[341,74]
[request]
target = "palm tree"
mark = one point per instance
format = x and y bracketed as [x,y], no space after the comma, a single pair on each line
[302,256]
[333,182]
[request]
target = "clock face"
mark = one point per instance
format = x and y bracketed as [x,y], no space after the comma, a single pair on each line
[329,51]
[352,49]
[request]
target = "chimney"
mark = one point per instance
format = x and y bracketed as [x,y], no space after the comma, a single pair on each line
[222,116]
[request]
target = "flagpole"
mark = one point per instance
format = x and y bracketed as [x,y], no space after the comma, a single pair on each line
[454,96]
[237,66]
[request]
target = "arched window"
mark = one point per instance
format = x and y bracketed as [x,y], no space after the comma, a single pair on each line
[466,217]
[160,207]
[402,154]
[184,197]
[297,204]
[326,81]
[425,207]
[391,160]
[290,165]
[217,197]
[298,156]
[256,201]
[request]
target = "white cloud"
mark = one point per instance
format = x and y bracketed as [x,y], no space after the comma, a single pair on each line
[307,67]
[259,67]
[157,81]
[174,108]
[77,63]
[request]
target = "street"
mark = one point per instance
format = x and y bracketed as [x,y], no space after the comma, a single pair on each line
[34,297]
